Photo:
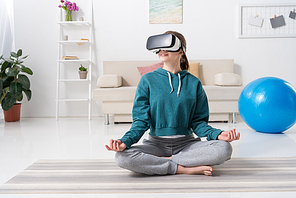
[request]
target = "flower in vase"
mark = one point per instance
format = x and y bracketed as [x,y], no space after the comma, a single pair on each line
[71,6]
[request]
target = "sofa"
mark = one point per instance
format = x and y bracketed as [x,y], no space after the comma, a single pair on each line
[116,88]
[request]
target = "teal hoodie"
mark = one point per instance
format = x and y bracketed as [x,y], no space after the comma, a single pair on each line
[169,104]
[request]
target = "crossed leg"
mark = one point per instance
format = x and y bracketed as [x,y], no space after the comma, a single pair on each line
[196,158]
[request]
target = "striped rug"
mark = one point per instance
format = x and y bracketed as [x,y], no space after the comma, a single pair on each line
[103,176]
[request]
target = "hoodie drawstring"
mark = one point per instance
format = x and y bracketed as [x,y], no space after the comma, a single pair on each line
[179,87]
[170,81]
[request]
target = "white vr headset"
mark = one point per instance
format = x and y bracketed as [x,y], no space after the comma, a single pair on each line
[167,42]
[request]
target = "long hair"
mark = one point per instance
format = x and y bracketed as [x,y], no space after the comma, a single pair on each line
[184,63]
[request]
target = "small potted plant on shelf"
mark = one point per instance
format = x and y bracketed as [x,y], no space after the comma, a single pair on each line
[13,84]
[82,72]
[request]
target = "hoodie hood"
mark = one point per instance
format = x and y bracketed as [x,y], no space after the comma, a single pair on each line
[180,75]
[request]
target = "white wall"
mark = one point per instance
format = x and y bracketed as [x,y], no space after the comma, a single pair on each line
[120,32]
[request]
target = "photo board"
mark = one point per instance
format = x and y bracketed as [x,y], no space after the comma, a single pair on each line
[267,21]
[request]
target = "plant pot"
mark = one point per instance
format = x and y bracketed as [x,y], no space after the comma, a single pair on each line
[13,114]
[82,74]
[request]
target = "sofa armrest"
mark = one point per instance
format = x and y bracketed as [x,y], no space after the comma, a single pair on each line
[110,80]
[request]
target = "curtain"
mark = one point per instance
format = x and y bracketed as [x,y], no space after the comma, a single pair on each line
[7,39]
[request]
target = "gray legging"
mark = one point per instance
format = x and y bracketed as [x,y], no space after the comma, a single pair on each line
[185,151]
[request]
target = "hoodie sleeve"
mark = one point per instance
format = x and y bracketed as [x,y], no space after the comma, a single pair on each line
[141,116]
[200,119]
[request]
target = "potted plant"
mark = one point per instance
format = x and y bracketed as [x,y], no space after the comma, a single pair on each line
[13,85]
[82,72]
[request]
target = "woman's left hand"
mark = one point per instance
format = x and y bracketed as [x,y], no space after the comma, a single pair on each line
[229,136]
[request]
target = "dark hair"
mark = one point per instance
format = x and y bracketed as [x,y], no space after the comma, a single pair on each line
[184,63]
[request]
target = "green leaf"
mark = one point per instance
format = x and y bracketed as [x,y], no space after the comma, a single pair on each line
[8,102]
[8,60]
[28,94]
[24,57]
[19,52]
[7,80]
[5,65]
[1,85]
[13,54]
[24,80]
[27,70]
[20,98]
[12,72]
[15,89]
[3,78]
[1,98]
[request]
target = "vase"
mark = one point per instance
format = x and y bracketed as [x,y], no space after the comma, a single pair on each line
[82,74]
[68,15]
[13,114]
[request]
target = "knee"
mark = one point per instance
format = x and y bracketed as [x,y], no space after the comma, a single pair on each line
[226,150]
[124,159]
[120,159]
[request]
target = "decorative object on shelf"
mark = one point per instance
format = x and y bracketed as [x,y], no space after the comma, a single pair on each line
[70,57]
[82,39]
[68,7]
[65,37]
[82,72]
[13,84]
[81,19]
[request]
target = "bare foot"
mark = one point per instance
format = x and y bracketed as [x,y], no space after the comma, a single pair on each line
[204,170]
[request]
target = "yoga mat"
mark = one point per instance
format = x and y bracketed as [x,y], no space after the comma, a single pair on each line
[104,176]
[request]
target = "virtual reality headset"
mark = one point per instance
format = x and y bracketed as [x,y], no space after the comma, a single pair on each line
[167,42]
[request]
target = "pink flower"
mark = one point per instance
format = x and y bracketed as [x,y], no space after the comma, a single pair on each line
[67,5]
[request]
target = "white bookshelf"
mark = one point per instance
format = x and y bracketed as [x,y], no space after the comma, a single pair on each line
[64,65]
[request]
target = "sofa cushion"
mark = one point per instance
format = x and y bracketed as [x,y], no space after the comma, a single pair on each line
[110,80]
[222,93]
[150,68]
[125,93]
[194,69]
[227,79]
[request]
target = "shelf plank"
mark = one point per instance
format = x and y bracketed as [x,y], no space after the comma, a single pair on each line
[74,61]
[74,23]
[73,42]
[73,80]
[72,100]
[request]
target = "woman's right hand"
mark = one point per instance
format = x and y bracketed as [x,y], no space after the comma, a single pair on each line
[115,145]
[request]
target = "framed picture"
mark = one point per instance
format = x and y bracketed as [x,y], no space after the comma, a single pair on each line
[165,11]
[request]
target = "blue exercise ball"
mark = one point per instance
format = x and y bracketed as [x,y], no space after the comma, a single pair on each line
[268,105]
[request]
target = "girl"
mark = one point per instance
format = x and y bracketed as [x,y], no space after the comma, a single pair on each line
[172,103]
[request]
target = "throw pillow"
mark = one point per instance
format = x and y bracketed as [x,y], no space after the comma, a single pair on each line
[194,69]
[150,68]
[227,79]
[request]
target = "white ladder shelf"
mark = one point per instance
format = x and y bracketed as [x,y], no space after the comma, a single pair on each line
[61,63]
